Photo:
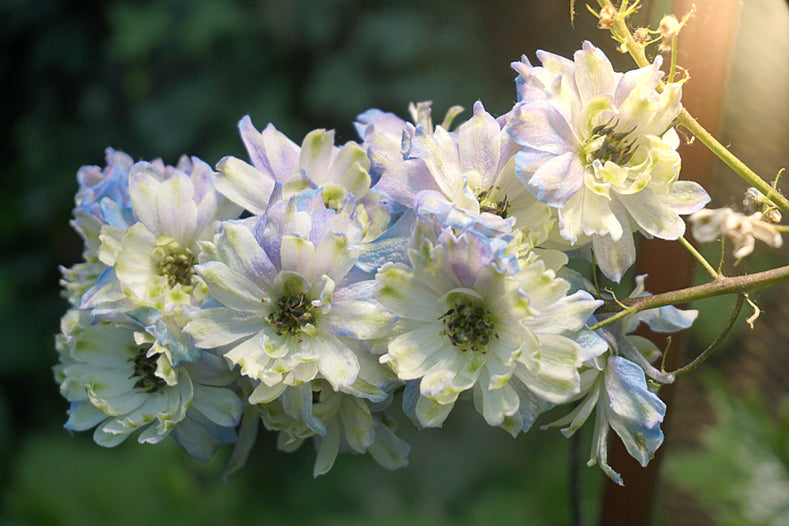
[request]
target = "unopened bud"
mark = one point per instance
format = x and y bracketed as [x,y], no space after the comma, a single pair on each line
[772,215]
[607,17]
[753,199]
[641,35]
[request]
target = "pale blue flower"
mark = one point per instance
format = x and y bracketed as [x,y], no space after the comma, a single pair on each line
[622,400]
[465,178]
[288,307]
[386,137]
[597,146]
[103,195]
[615,387]
[119,383]
[336,422]
[97,184]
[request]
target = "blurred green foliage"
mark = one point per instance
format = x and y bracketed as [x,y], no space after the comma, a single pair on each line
[464,474]
[741,473]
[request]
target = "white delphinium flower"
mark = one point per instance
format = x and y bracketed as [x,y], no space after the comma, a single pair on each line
[467,324]
[466,178]
[599,148]
[386,137]
[102,194]
[336,422]
[289,306]
[615,386]
[152,259]
[317,163]
[743,230]
[118,382]
[621,399]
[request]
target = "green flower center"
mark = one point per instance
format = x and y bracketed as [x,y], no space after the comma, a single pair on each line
[615,146]
[468,327]
[178,267]
[292,313]
[490,205]
[145,372]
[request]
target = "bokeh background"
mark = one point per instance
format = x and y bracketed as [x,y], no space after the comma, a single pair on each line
[162,78]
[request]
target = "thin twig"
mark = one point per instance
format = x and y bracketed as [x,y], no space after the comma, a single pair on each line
[706,353]
[718,287]
[701,259]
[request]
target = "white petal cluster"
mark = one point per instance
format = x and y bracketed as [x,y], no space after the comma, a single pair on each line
[116,382]
[311,287]
[598,147]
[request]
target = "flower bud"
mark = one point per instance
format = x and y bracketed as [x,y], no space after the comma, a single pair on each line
[772,215]
[607,17]
[641,35]
[753,199]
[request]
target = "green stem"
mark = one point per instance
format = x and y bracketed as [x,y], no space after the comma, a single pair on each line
[722,285]
[706,353]
[673,69]
[621,33]
[696,254]
[733,162]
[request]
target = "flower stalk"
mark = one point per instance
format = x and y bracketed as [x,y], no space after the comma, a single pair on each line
[722,285]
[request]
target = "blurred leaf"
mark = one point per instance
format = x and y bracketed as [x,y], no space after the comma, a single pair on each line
[137,29]
[741,474]
[61,480]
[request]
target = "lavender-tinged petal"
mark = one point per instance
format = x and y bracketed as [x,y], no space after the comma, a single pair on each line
[614,257]
[479,144]
[243,184]
[238,248]
[556,180]
[541,126]
[402,180]
[629,396]
[668,318]
[270,151]
[637,412]
[360,320]
[439,151]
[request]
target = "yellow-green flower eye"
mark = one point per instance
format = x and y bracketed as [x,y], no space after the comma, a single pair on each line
[178,267]
[488,204]
[293,313]
[468,327]
[145,372]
